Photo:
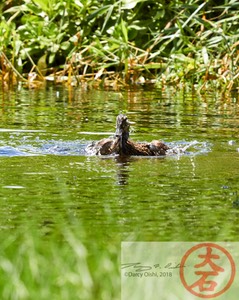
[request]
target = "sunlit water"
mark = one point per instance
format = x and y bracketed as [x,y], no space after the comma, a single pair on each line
[47,176]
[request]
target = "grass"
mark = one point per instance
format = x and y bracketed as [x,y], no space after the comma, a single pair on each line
[34,265]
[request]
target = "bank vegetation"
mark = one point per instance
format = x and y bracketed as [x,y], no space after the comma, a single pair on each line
[124,42]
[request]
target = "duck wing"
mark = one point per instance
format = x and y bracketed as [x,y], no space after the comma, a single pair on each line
[158,148]
[102,147]
[155,148]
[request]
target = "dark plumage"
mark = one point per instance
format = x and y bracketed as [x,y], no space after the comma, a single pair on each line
[121,145]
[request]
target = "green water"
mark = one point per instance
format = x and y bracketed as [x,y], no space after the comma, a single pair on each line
[47,181]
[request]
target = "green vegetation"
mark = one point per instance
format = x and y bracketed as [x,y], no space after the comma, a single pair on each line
[36,264]
[126,41]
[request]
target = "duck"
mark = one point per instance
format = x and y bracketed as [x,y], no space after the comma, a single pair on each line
[121,145]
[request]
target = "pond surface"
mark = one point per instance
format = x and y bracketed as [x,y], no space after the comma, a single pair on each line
[46,176]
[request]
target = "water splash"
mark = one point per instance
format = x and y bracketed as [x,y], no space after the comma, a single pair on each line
[55,147]
[189,148]
[38,147]
[11,151]
[28,146]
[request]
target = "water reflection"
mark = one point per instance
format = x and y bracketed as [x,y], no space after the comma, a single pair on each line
[122,170]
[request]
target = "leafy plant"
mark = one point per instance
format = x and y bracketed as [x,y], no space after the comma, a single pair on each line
[169,41]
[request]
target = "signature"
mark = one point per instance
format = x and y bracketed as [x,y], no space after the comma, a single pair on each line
[139,267]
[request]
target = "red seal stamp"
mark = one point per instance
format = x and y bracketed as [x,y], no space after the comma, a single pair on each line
[207,270]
